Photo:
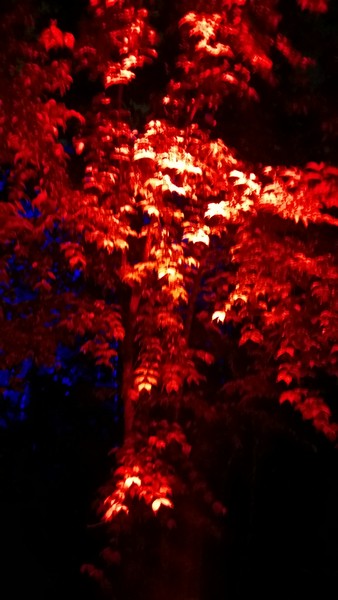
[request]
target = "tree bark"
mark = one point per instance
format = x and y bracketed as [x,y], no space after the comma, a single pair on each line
[192,302]
[127,399]
[128,366]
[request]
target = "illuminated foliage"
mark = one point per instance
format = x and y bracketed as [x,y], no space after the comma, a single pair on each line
[180,247]
[224,45]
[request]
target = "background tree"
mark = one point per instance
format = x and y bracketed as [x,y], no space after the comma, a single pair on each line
[212,280]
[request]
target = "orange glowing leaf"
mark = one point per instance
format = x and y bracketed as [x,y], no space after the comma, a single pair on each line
[219,316]
[292,396]
[172,386]
[132,481]
[284,376]
[221,209]
[156,505]
[320,6]
[253,335]
[205,356]
[144,387]
[285,350]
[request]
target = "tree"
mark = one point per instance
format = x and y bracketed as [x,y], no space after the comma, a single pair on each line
[173,255]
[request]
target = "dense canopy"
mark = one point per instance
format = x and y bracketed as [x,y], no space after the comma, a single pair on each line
[199,277]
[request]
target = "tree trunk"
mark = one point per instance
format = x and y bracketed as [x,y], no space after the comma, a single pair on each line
[192,302]
[128,365]
[127,399]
